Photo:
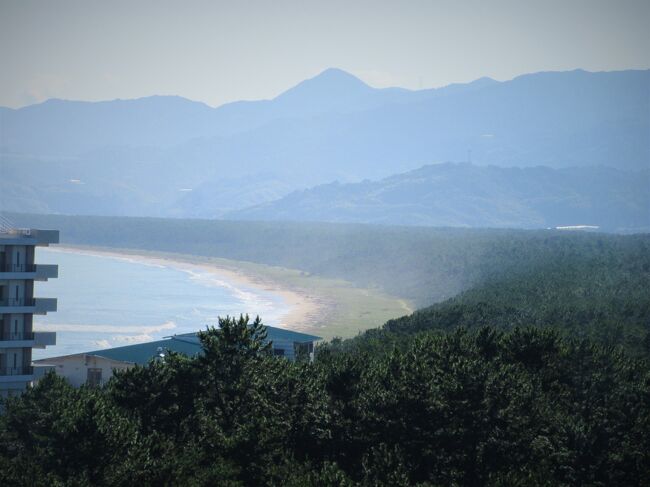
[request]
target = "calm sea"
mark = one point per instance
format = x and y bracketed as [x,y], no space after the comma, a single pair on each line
[106,301]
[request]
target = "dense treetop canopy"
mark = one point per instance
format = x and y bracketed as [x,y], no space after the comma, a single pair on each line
[534,371]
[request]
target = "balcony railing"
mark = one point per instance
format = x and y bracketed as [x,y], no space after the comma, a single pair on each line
[8,371]
[36,339]
[16,336]
[23,305]
[17,268]
[25,236]
[9,229]
[18,302]
[38,272]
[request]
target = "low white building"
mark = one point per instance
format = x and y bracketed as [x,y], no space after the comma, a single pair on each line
[97,367]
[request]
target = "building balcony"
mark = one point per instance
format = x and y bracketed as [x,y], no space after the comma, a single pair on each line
[44,339]
[37,306]
[37,339]
[37,272]
[16,374]
[25,236]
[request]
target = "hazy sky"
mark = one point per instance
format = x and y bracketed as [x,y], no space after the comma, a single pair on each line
[219,51]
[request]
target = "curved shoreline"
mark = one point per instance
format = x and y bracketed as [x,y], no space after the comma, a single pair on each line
[322,306]
[304,311]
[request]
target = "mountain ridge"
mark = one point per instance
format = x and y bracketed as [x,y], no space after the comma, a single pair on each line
[465,195]
[326,72]
[144,156]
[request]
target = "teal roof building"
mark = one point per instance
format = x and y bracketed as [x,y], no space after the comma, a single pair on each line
[284,343]
[97,367]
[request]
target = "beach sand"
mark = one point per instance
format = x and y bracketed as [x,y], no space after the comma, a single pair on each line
[326,307]
[306,311]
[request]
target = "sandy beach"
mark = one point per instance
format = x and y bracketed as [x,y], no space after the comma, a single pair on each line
[306,311]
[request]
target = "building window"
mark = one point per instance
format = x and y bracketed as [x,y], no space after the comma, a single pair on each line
[301,350]
[279,352]
[94,378]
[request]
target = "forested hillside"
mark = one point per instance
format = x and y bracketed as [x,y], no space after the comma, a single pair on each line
[423,265]
[466,195]
[525,407]
[587,294]
[591,284]
[535,371]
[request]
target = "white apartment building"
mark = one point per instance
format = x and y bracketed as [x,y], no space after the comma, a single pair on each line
[18,271]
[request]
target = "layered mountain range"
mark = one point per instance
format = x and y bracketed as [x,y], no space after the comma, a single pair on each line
[476,196]
[168,156]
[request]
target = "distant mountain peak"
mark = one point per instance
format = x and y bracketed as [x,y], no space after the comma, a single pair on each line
[484,80]
[331,82]
[337,75]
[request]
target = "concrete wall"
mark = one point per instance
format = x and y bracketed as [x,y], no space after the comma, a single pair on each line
[75,367]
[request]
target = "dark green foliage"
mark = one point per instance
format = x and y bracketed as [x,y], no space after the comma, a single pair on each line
[56,434]
[483,407]
[537,374]
[593,288]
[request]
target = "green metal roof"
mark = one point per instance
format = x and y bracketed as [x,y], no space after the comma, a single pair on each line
[187,343]
[142,353]
[273,334]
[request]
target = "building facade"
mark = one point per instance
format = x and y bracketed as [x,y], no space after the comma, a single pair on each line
[97,367]
[18,305]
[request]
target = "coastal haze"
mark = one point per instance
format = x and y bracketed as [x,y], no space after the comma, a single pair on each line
[241,110]
[167,156]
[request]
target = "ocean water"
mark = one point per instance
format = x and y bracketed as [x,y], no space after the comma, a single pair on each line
[106,301]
